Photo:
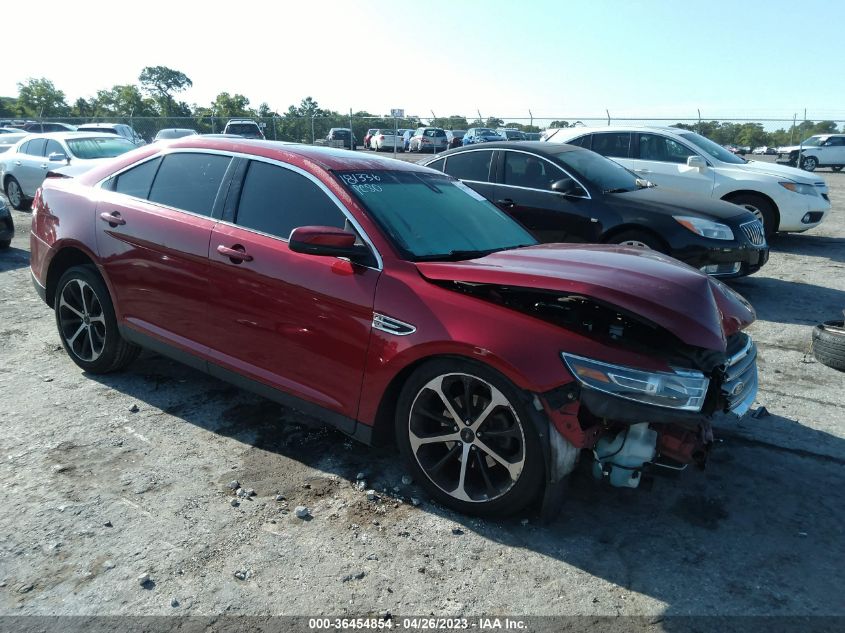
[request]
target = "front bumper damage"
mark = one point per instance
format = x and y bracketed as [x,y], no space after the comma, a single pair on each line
[629,441]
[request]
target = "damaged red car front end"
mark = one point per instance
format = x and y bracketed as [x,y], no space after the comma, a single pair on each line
[695,366]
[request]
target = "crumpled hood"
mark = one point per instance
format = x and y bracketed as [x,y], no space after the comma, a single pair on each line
[699,310]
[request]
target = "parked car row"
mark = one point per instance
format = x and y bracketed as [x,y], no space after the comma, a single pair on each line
[414,308]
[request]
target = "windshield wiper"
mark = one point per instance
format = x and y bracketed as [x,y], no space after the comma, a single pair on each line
[459,255]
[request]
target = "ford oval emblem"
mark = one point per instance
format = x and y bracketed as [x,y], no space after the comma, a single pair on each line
[738,388]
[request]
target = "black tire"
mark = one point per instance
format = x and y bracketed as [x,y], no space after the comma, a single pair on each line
[809,163]
[15,195]
[4,244]
[829,344]
[638,238]
[106,350]
[837,168]
[510,426]
[761,208]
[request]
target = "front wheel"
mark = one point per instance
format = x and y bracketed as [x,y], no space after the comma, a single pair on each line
[87,324]
[809,163]
[468,438]
[761,208]
[639,239]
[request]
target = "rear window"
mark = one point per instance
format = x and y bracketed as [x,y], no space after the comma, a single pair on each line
[104,130]
[340,134]
[470,165]
[136,182]
[101,147]
[242,128]
[189,181]
[435,133]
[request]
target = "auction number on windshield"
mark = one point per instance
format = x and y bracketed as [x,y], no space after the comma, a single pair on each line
[360,178]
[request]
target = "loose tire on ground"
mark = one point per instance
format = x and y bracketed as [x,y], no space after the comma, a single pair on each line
[829,344]
[489,461]
[87,325]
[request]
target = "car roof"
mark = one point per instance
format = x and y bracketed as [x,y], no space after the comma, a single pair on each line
[328,158]
[100,125]
[583,129]
[538,147]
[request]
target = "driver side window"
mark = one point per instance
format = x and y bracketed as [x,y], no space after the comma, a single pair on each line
[663,149]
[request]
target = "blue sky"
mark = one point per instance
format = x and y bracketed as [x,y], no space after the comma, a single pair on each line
[556,58]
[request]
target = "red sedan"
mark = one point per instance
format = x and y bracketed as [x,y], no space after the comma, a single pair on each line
[396,303]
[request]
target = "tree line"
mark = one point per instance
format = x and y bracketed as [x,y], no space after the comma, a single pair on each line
[156,96]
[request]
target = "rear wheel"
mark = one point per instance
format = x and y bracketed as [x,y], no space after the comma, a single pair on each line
[87,324]
[809,163]
[15,194]
[468,438]
[762,209]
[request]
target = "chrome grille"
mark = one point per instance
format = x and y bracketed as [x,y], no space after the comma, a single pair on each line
[754,232]
[740,382]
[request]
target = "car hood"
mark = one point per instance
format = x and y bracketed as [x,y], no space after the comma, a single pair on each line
[697,309]
[657,200]
[779,171]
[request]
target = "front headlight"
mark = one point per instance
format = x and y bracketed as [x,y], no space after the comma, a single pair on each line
[681,389]
[705,228]
[797,187]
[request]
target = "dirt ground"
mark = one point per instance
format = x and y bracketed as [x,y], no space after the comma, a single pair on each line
[110,477]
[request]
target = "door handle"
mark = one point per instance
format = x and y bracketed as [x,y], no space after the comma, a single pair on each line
[18,163]
[112,218]
[506,202]
[236,253]
[643,171]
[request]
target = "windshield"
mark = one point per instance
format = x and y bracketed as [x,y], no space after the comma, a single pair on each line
[99,147]
[601,172]
[813,141]
[485,132]
[432,216]
[713,149]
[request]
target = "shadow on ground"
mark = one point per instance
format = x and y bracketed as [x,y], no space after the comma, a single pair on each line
[794,302]
[760,532]
[13,258]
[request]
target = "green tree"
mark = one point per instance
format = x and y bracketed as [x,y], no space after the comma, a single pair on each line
[122,101]
[161,82]
[39,97]
[494,122]
[228,106]
[555,124]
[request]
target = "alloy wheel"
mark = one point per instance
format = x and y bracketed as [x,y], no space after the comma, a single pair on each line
[82,322]
[755,211]
[809,163]
[636,243]
[466,437]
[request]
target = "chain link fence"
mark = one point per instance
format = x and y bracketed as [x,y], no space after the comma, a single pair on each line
[314,129]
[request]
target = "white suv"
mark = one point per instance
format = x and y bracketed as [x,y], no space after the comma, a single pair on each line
[784,198]
[821,150]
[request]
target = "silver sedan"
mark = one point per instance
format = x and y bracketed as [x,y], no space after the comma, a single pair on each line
[24,167]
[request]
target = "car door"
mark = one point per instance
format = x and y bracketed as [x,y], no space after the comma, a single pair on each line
[154,224]
[835,151]
[663,161]
[613,145]
[30,166]
[296,322]
[523,190]
[474,168]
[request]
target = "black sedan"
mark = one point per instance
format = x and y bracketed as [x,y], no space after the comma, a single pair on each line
[570,194]
[7,227]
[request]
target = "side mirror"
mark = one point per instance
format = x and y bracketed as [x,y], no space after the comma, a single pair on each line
[328,241]
[564,186]
[58,157]
[696,162]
